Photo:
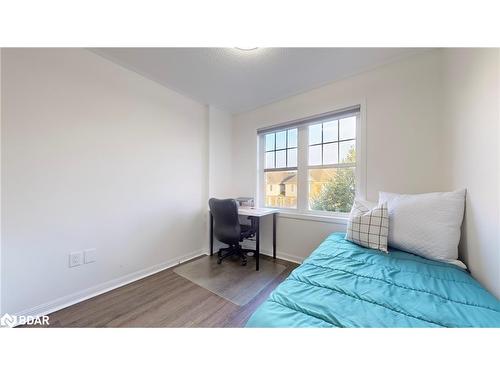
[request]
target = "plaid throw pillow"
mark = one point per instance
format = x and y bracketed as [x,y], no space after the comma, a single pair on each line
[368,227]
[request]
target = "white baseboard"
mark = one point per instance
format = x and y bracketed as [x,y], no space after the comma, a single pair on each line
[284,256]
[279,254]
[250,244]
[71,299]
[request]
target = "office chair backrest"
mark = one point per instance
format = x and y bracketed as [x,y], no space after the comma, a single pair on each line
[226,224]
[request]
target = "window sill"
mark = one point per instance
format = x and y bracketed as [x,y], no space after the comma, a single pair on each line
[333,219]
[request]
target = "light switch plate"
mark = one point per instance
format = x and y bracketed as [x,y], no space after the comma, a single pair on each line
[75,258]
[90,256]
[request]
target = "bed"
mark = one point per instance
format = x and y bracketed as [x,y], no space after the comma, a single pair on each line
[344,285]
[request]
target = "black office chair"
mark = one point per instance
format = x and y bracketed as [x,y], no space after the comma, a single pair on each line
[227,229]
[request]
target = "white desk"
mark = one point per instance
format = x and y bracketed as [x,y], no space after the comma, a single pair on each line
[255,213]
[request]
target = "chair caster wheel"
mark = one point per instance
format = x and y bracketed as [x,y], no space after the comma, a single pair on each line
[244,263]
[219,261]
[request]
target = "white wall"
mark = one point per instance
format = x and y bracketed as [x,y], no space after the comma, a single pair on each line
[471,105]
[94,156]
[219,153]
[404,152]
[220,124]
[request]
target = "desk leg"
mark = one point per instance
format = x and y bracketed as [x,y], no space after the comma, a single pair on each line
[211,234]
[257,243]
[274,236]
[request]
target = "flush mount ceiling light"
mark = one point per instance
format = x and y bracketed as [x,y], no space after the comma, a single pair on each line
[246,48]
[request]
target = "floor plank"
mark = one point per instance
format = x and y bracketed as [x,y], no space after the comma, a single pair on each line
[164,299]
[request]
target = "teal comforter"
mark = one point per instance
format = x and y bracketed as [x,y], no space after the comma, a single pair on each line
[344,285]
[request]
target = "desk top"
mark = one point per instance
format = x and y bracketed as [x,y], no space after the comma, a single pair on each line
[256,212]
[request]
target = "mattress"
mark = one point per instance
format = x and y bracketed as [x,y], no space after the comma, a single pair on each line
[344,285]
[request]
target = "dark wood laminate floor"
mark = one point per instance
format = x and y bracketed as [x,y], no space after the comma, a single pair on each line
[164,299]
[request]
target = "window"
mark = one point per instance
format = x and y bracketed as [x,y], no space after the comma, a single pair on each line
[313,165]
[280,168]
[332,163]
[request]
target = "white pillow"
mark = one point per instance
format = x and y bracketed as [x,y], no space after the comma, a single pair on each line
[426,224]
[368,226]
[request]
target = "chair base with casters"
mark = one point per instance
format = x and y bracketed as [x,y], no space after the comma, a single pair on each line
[247,232]
[234,250]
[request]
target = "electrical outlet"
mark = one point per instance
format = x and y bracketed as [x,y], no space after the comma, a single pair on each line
[75,258]
[89,256]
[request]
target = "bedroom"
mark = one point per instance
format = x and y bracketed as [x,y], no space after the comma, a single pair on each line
[185,185]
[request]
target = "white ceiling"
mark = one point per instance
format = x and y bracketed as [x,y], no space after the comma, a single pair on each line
[238,81]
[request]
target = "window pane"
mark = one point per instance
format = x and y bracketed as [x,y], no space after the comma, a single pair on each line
[331,189]
[314,134]
[331,153]
[348,152]
[315,155]
[348,128]
[281,189]
[292,138]
[269,159]
[280,140]
[269,142]
[330,131]
[292,157]
[281,159]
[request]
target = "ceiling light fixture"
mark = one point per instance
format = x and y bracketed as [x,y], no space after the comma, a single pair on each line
[246,48]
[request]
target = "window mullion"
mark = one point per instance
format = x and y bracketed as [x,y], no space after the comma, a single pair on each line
[302,172]
[261,188]
[286,148]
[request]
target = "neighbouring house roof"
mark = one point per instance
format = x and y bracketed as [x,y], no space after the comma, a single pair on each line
[279,178]
[292,179]
[317,175]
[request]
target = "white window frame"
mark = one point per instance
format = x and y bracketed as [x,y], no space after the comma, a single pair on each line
[302,211]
